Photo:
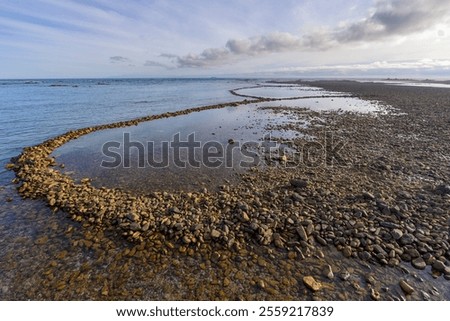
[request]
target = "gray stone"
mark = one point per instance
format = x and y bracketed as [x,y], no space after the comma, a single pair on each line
[347,251]
[419,263]
[321,240]
[302,233]
[439,266]
[365,256]
[298,183]
[368,195]
[396,234]
[443,189]
[297,197]
[389,225]
[413,253]
[404,194]
[407,239]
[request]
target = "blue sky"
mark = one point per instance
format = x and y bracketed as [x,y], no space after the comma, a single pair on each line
[286,38]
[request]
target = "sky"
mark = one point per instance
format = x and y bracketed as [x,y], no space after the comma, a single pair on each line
[234,38]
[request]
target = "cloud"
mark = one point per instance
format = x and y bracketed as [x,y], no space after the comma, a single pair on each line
[389,18]
[397,17]
[151,63]
[118,59]
[423,64]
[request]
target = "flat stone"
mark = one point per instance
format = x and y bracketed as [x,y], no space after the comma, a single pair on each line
[404,194]
[419,263]
[439,266]
[406,239]
[297,197]
[215,234]
[245,217]
[396,234]
[298,183]
[368,195]
[365,256]
[302,233]
[443,189]
[311,283]
[408,289]
[389,225]
[321,240]
[347,251]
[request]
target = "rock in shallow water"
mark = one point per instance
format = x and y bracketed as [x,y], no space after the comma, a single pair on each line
[311,283]
[408,289]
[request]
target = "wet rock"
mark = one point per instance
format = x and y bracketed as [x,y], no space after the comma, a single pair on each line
[406,239]
[368,195]
[344,275]
[443,189]
[302,233]
[298,183]
[311,283]
[297,197]
[407,288]
[321,240]
[419,263]
[404,195]
[439,266]
[374,294]
[328,272]
[347,251]
[364,255]
[396,234]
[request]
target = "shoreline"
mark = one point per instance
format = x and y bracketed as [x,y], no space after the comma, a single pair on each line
[288,217]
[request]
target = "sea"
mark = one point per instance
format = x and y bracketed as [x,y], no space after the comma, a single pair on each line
[35,110]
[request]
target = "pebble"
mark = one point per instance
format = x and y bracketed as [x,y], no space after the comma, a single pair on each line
[396,234]
[245,217]
[298,183]
[311,283]
[321,240]
[419,263]
[408,289]
[347,251]
[215,234]
[328,272]
[374,294]
[407,239]
[302,233]
[439,266]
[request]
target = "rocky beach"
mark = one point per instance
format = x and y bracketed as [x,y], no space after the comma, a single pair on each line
[362,216]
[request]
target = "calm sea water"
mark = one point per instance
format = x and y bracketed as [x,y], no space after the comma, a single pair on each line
[32,111]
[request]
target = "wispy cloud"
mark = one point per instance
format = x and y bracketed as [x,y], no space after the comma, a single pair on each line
[151,63]
[389,18]
[429,64]
[118,59]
